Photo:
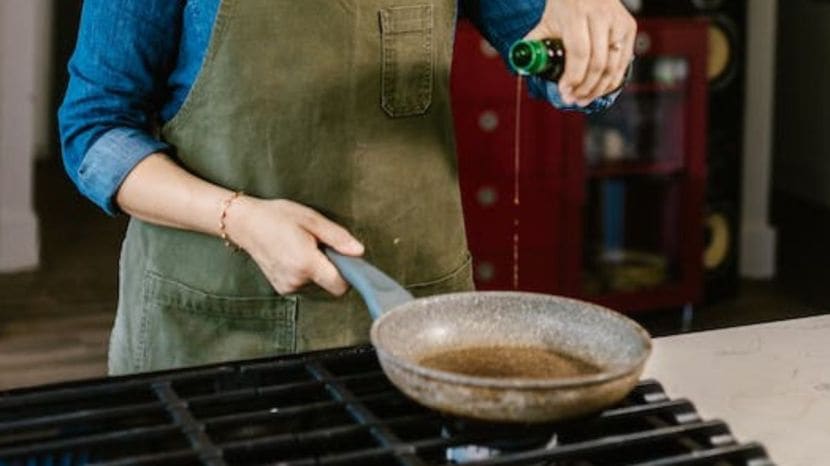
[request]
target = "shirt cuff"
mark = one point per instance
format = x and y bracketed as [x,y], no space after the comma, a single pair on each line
[110,159]
[547,90]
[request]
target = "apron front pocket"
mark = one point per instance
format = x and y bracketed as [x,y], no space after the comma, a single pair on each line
[182,326]
[407,66]
[458,280]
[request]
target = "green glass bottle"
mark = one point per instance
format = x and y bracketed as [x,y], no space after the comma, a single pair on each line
[544,58]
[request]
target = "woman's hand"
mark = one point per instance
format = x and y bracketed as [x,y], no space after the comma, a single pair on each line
[599,43]
[283,237]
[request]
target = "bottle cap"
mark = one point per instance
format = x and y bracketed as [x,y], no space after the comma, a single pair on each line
[529,57]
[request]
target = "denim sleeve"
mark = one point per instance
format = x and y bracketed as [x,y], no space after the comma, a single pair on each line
[503,22]
[117,73]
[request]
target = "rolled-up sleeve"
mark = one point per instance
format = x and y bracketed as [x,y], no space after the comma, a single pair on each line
[503,22]
[117,75]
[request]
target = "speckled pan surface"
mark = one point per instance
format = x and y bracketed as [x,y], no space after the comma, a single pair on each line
[609,340]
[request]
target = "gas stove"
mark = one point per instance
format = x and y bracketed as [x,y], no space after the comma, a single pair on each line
[331,408]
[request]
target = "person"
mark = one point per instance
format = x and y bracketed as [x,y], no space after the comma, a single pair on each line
[242,135]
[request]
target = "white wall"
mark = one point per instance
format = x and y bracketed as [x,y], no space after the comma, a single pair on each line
[44,113]
[758,238]
[24,43]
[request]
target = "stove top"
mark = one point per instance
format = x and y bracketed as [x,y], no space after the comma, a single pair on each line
[331,408]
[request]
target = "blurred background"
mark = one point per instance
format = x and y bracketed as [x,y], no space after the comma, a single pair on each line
[701,200]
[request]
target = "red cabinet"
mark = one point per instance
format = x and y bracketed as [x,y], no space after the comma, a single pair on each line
[609,206]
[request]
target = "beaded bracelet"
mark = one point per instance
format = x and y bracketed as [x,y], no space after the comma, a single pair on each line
[226,204]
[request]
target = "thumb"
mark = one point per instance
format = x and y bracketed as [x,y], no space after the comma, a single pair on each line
[332,234]
[538,33]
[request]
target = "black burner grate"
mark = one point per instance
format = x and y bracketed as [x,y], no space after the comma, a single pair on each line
[331,408]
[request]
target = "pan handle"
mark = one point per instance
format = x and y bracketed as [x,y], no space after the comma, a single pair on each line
[379,291]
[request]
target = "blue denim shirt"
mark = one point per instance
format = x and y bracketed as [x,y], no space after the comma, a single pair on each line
[135,61]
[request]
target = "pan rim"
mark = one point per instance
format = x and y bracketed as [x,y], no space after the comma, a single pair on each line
[516,383]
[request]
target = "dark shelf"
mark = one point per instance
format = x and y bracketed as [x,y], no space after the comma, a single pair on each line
[664,296]
[646,88]
[635,167]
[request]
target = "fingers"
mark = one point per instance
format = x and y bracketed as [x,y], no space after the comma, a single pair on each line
[285,246]
[332,234]
[312,267]
[597,69]
[614,70]
[576,38]
[540,32]
[614,77]
[625,33]
[319,269]
[627,56]
[599,41]
[307,264]
[325,274]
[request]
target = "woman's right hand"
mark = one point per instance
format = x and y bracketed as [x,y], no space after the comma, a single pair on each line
[283,237]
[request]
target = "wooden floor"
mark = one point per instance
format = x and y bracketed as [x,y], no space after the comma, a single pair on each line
[56,348]
[55,322]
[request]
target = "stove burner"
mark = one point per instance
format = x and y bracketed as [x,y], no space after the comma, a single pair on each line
[482,440]
[331,408]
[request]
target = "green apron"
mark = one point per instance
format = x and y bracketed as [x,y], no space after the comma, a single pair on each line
[342,106]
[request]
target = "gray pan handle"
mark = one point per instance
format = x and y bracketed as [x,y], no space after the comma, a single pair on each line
[380,292]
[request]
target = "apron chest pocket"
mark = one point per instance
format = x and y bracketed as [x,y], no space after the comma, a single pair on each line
[182,326]
[407,63]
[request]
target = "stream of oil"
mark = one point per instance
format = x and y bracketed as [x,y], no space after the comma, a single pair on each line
[509,362]
[517,150]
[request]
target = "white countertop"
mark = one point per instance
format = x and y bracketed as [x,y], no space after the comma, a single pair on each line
[770,383]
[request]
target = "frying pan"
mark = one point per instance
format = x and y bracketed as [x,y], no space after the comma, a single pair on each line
[489,337]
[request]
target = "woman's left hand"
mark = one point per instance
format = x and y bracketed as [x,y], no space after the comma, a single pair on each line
[599,43]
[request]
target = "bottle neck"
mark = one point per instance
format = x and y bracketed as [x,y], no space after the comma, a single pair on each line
[544,58]
[529,57]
